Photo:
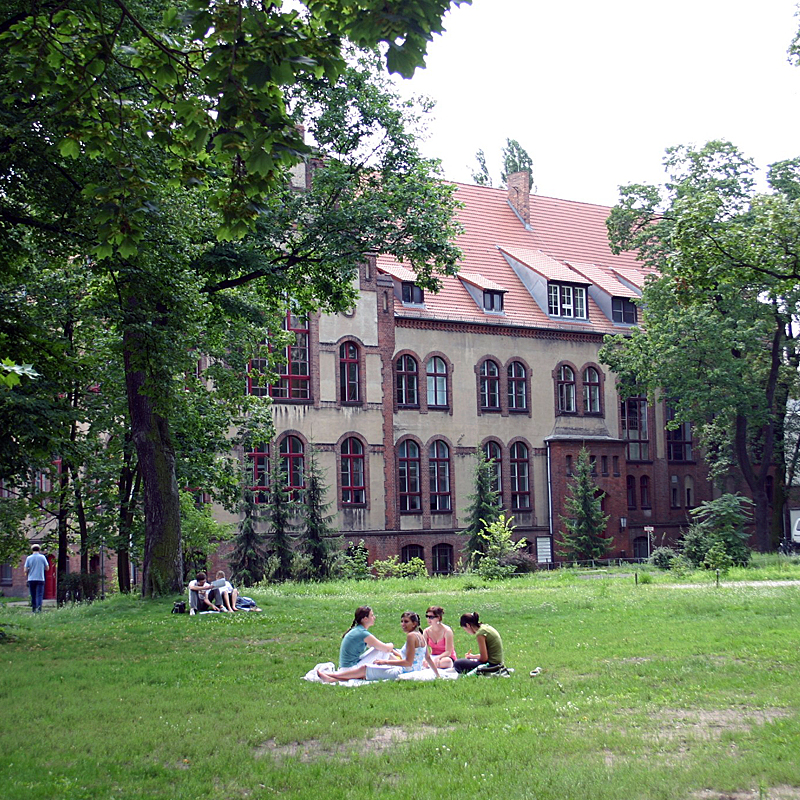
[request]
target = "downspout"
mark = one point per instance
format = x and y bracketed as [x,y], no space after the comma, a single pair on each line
[550,501]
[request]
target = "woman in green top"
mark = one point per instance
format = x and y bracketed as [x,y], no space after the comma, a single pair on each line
[490,645]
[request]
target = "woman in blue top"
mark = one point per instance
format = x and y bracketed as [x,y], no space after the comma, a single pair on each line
[413,656]
[356,640]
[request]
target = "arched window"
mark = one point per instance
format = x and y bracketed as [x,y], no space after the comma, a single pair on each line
[410,551]
[490,386]
[407,387]
[493,453]
[442,559]
[292,457]
[409,477]
[591,391]
[644,491]
[437,382]
[566,390]
[439,472]
[259,470]
[630,486]
[353,485]
[520,482]
[517,387]
[349,369]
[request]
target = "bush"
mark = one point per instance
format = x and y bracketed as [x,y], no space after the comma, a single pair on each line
[78,587]
[353,563]
[680,565]
[645,578]
[414,568]
[696,542]
[521,561]
[662,557]
[718,558]
[387,567]
[490,569]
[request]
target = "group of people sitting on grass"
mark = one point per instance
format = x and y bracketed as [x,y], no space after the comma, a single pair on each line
[219,595]
[431,648]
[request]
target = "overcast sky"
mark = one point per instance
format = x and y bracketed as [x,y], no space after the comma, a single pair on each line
[596,91]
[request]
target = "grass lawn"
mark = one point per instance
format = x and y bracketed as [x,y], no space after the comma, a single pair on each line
[648,691]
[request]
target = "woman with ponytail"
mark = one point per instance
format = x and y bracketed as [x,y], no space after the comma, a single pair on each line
[358,638]
[490,645]
[412,656]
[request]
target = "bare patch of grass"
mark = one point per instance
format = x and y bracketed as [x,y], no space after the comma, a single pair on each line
[773,793]
[712,723]
[379,741]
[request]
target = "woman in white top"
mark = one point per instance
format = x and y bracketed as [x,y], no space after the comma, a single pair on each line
[413,656]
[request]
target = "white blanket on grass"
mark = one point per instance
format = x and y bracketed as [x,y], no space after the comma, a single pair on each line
[418,675]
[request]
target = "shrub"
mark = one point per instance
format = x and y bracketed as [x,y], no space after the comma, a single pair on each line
[718,558]
[680,565]
[77,587]
[696,542]
[387,567]
[645,578]
[521,561]
[353,563]
[414,568]
[490,569]
[662,557]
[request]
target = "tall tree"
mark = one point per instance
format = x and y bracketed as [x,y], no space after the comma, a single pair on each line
[514,158]
[484,508]
[283,508]
[719,322]
[583,536]
[134,137]
[481,175]
[316,533]
[248,559]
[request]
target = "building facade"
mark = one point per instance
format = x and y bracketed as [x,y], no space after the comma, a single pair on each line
[396,395]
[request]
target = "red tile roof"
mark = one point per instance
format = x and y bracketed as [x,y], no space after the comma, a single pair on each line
[565,241]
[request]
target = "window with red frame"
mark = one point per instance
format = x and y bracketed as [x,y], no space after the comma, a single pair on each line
[490,386]
[407,381]
[409,488]
[294,381]
[354,491]
[517,387]
[258,460]
[349,373]
[439,475]
[256,383]
[520,477]
[292,459]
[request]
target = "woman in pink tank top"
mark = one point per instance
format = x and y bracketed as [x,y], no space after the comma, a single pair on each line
[440,638]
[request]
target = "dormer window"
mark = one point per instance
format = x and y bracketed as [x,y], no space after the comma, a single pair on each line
[566,300]
[492,301]
[623,310]
[412,294]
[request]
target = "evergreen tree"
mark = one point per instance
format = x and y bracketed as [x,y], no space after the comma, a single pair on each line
[317,544]
[282,507]
[484,508]
[248,560]
[516,159]
[481,176]
[584,537]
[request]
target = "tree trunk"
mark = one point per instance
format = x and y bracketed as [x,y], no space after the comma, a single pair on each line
[162,565]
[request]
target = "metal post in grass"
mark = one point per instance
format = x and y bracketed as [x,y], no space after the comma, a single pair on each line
[717,571]
[636,577]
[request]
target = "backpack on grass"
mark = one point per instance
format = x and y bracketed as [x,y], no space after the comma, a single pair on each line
[179,607]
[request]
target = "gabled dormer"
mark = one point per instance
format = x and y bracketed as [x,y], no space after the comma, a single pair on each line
[488,295]
[613,296]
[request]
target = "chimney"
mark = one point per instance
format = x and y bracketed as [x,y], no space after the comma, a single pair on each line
[519,195]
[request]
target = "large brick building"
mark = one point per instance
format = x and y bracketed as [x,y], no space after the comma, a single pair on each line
[397,394]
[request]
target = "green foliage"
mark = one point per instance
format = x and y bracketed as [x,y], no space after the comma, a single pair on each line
[498,543]
[718,558]
[718,335]
[583,536]
[316,532]
[680,564]
[516,159]
[248,558]
[78,587]
[722,521]
[484,507]
[695,543]
[202,534]
[481,176]
[282,510]
[353,562]
[662,557]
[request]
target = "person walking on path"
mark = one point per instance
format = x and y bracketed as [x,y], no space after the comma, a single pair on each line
[36,565]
